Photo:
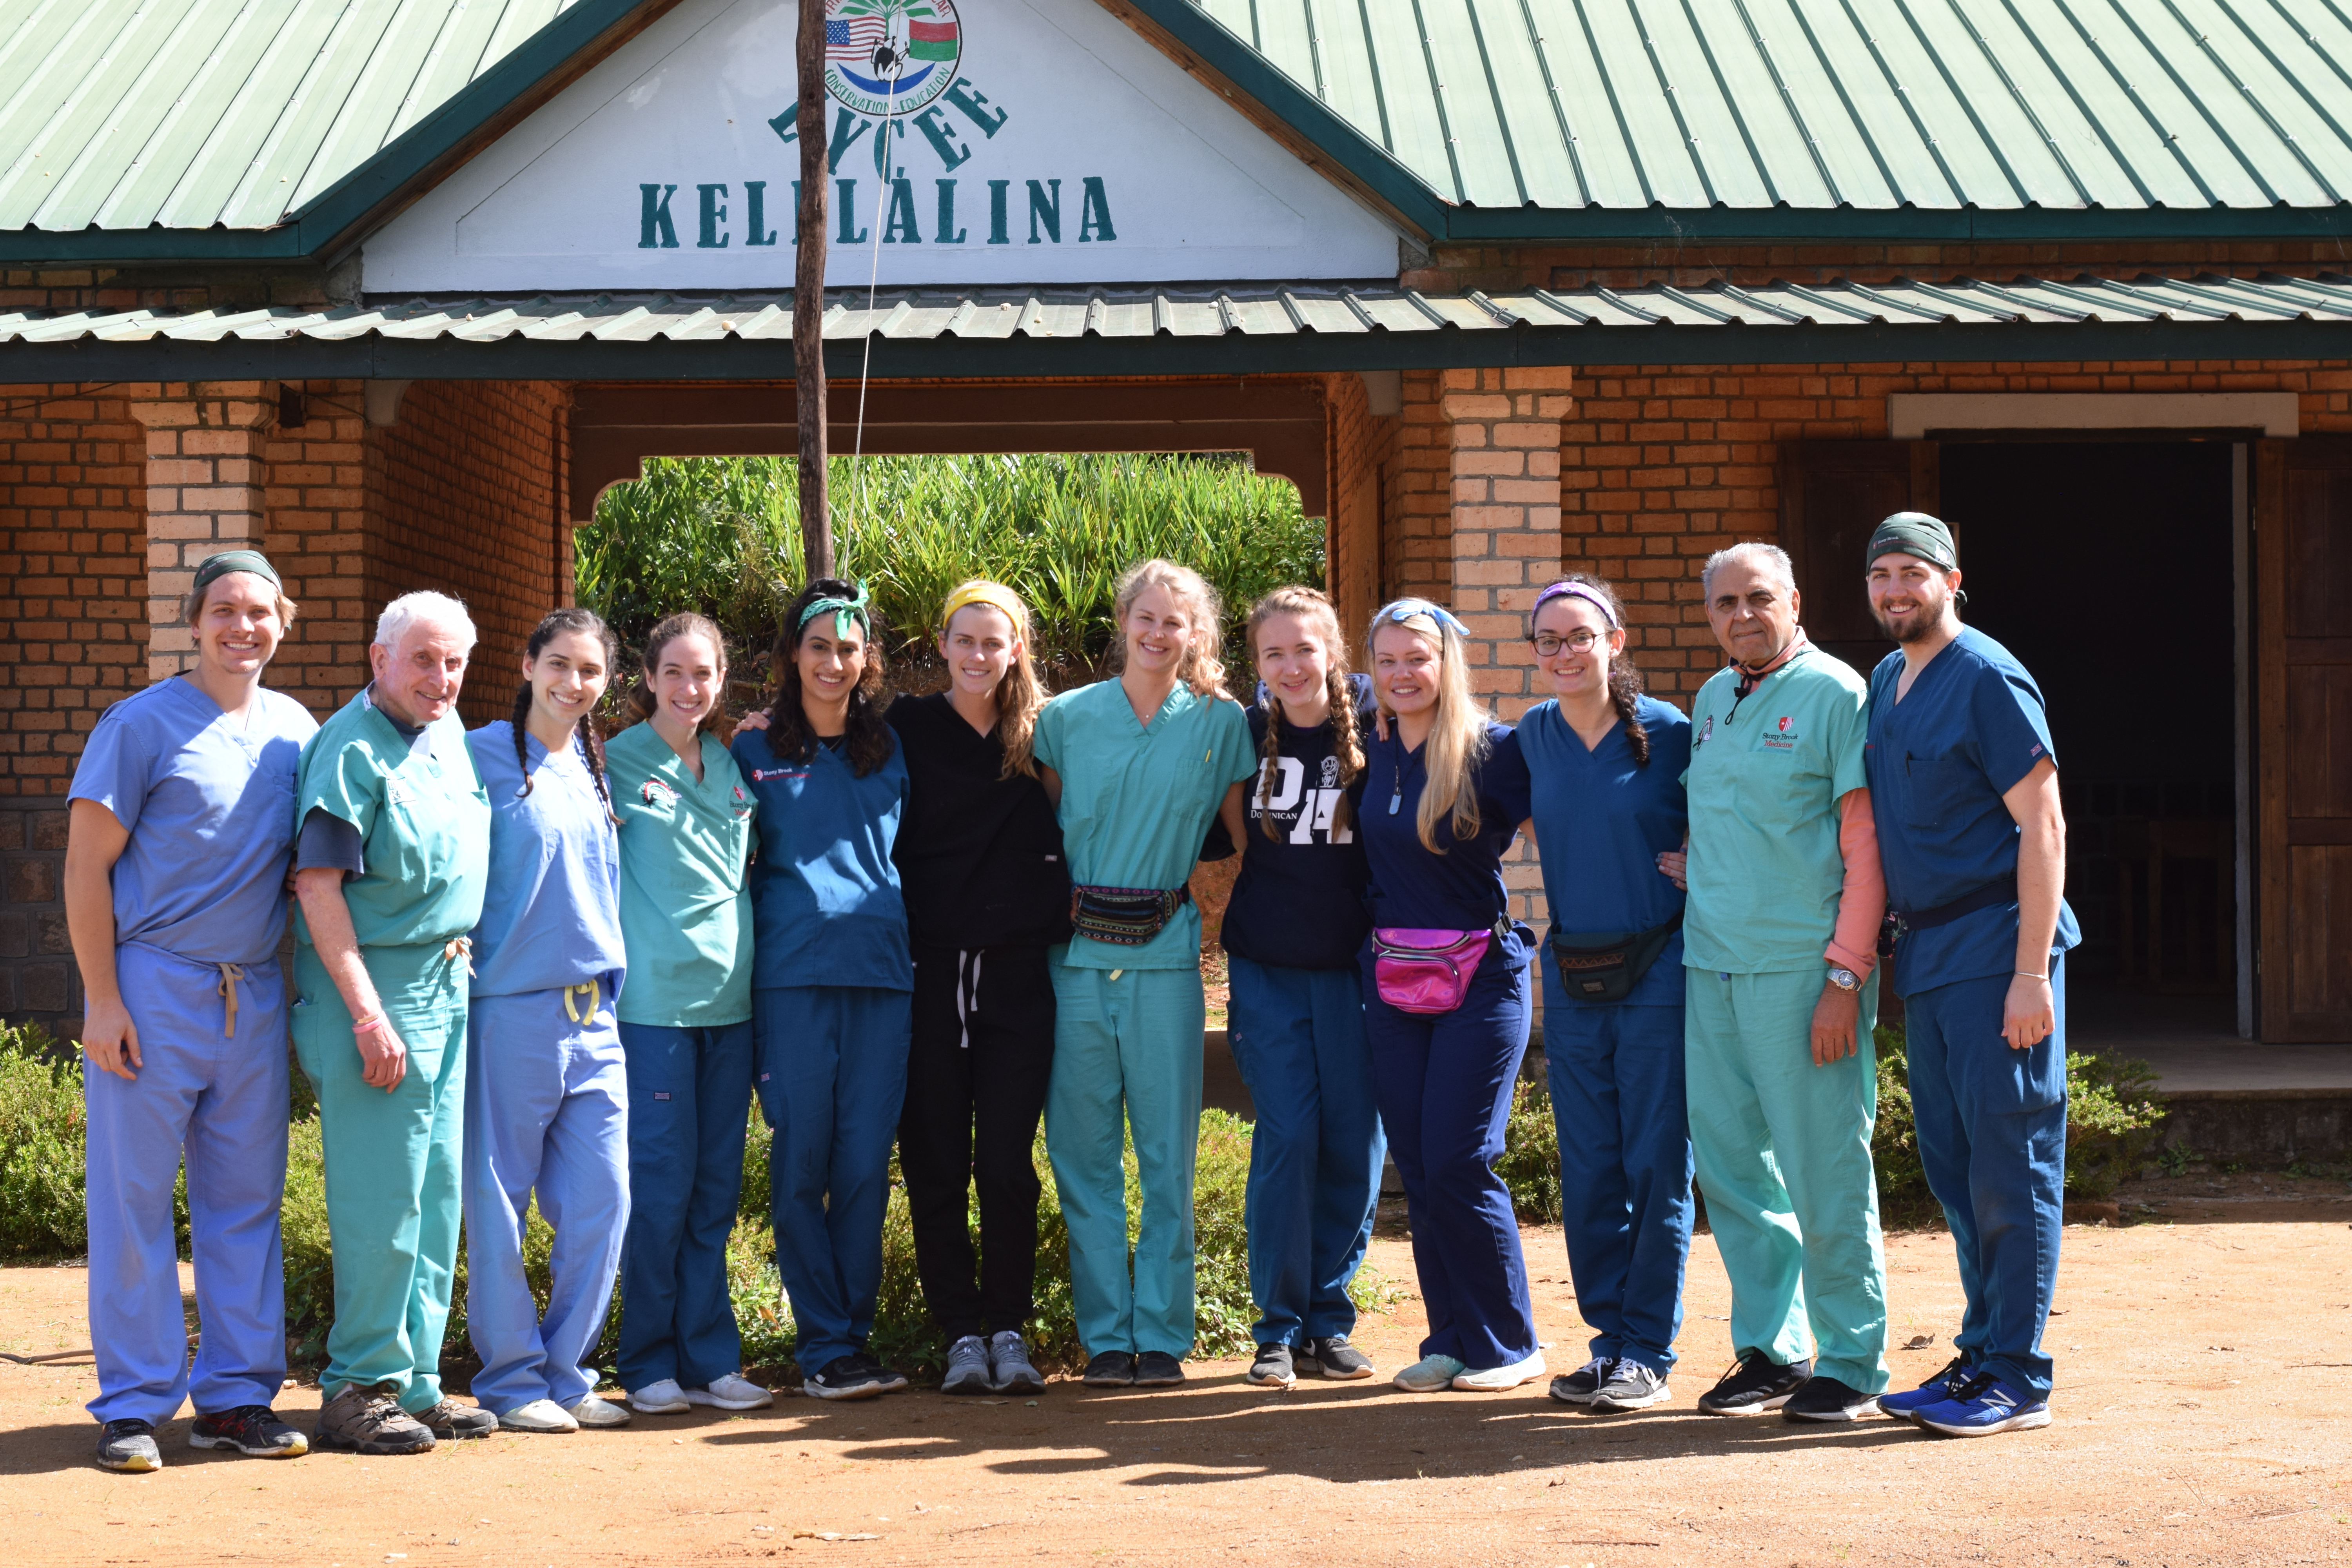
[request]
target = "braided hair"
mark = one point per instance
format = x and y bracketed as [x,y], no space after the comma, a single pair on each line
[585,734]
[1625,684]
[1314,608]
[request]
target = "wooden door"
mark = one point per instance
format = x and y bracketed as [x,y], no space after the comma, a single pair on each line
[1833,494]
[2302,573]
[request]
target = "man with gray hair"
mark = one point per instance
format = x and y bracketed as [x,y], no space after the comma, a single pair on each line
[1778,941]
[391,865]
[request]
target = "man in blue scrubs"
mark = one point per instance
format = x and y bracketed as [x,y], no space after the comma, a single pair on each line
[1964,787]
[183,814]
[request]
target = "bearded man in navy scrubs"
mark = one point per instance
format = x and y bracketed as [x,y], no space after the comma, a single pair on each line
[1965,788]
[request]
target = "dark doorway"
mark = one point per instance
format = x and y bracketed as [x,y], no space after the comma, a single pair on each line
[2106,567]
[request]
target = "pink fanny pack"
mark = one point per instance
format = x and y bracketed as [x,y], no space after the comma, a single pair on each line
[1418,971]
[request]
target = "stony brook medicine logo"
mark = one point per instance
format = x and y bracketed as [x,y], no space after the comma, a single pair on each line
[890,56]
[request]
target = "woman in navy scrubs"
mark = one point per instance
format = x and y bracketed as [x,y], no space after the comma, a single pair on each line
[1444,793]
[1606,765]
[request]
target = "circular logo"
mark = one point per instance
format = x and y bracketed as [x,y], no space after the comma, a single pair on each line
[890,56]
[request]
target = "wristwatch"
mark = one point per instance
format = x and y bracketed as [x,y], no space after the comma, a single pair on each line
[1844,979]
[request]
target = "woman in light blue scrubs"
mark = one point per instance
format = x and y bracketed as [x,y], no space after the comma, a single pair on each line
[833,979]
[547,1100]
[686,1024]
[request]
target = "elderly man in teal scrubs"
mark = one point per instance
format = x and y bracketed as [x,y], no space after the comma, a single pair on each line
[1785,898]
[392,862]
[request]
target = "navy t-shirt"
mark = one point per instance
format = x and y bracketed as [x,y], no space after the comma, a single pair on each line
[1460,889]
[826,904]
[1972,726]
[1298,902]
[1601,820]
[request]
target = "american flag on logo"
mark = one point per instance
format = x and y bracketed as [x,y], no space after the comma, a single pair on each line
[854,38]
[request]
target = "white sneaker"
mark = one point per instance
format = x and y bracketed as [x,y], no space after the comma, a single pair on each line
[1429,1374]
[539,1415]
[592,1411]
[730,1391]
[1494,1379]
[663,1398]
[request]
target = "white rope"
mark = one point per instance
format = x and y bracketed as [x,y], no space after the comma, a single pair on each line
[874,277]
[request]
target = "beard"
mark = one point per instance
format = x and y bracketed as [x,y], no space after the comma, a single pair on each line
[1910,625]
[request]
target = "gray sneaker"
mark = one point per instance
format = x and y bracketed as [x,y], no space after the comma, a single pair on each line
[1578,1387]
[967,1367]
[1631,1387]
[129,1445]
[1010,1368]
[361,1419]
[1332,1356]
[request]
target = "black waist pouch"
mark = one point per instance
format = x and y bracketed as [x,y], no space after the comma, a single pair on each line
[1606,968]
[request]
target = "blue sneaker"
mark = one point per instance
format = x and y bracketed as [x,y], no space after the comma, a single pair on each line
[1945,1385]
[1986,1406]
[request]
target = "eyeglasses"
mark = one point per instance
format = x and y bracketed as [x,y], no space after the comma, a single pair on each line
[1580,640]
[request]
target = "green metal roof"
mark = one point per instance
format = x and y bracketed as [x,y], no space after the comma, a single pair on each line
[119,114]
[1830,105]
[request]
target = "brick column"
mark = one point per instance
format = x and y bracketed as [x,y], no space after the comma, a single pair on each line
[1506,542]
[205,480]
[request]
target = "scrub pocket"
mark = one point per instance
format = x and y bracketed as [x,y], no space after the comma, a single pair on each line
[1937,790]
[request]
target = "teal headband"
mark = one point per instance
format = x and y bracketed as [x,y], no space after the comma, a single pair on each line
[844,612]
[214,568]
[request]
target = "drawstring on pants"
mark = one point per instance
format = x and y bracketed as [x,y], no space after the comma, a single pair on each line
[459,947]
[586,988]
[967,993]
[230,973]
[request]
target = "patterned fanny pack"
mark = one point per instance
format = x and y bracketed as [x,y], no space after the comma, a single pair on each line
[1123,917]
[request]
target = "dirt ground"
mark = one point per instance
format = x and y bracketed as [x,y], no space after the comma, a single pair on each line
[2205,1360]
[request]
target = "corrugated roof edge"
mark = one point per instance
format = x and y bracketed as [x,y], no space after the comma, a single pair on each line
[384,183]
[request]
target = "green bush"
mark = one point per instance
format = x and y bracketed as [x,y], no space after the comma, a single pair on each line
[41,1147]
[721,535]
[1531,1163]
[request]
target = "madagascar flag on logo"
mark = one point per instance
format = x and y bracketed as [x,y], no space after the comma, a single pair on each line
[931,41]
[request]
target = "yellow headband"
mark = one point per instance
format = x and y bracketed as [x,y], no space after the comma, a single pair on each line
[986,593]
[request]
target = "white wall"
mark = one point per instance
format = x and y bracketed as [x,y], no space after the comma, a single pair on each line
[1192,190]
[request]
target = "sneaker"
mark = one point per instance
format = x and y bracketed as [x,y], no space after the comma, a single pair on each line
[1010,1369]
[1983,1407]
[1578,1387]
[1112,1369]
[366,1418]
[893,1380]
[967,1366]
[1334,1357]
[251,1430]
[727,1390]
[844,1378]
[664,1398]
[1158,1369]
[1496,1379]
[1827,1399]
[1757,1384]
[590,1411]
[1272,1368]
[539,1415]
[1946,1384]
[1429,1374]
[452,1421]
[1633,1387]
[128,1445]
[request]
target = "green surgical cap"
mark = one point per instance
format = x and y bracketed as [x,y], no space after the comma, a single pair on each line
[217,566]
[1915,533]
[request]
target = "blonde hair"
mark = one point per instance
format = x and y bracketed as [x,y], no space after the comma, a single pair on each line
[1019,694]
[1202,669]
[1457,733]
[1314,608]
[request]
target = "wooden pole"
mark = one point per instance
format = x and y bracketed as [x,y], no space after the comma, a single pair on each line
[808,295]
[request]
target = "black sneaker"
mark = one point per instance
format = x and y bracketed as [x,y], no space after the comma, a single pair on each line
[455,1422]
[893,1380]
[1629,1386]
[1158,1369]
[845,1377]
[1112,1369]
[1332,1356]
[128,1445]
[1757,1384]
[251,1430]
[1272,1369]
[1578,1387]
[1827,1399]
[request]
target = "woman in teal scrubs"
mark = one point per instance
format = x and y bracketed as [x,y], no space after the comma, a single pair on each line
[833,977]
[1141,764]
[686,1024]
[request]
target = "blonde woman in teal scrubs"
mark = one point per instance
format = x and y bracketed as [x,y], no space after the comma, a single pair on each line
[686,1024]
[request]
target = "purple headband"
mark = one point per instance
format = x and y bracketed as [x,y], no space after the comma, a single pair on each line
[1565,590]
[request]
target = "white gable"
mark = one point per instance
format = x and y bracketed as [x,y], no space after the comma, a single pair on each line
[1034,141]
